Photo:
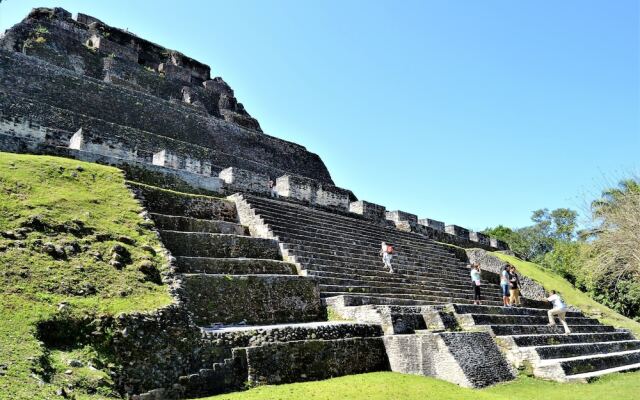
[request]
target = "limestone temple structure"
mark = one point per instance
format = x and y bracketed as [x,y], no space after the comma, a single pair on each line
[255,274]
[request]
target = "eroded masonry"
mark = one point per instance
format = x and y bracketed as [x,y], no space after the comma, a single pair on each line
[256,271]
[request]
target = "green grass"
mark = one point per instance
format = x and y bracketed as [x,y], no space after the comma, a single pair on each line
[572,295]
[87,209]
[390,385]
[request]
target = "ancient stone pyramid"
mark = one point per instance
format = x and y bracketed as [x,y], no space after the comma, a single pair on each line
[256,266]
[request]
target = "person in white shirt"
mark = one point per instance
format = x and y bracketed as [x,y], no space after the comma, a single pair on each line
[559,309]
[475,282]
[386,251]
[504,285]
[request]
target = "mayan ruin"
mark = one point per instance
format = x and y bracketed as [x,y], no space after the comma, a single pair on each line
[274,273]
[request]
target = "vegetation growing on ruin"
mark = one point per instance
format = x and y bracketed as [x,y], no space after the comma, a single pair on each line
[73,246]
[389,385]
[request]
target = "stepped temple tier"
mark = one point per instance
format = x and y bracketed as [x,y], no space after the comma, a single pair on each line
[272,283]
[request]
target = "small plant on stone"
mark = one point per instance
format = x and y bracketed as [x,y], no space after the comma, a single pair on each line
[41,30]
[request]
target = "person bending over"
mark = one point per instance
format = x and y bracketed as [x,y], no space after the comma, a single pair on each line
[559,309]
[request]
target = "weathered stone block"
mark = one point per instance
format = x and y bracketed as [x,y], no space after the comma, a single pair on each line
[166,158]
[254,299]
[457,231]
[23,129]
[175,72]
[112,48]
[400,216]
[314,359]
[498,244]
[479,237]
[237,179]
[371,211]
[80,141]
[312,191]
[432,223]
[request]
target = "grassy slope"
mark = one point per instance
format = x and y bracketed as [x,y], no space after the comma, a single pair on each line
[65,194]
[389,385]
[572,295]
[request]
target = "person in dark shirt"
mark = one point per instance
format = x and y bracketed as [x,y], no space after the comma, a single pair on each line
[514,287]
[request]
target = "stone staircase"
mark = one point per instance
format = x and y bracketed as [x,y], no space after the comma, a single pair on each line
[341,252]
[429,291]
[261,322]
[591,350]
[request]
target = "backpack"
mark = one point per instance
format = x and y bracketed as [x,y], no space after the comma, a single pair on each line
[389,249]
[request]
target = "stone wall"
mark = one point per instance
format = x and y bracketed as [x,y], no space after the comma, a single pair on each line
[314,359]
[469,359]
[252,299]
[152,350]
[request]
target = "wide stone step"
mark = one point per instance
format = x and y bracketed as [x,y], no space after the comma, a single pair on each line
[501,330]
[496,319]
[233,266]
[400,260]
[251,299]
[193,244]
[348,300]
[340,270]
[313,257]
[588,376]
[362,287]
[583,349]
[398,298]
[591,363]
[188,224]
[556,339]
[299,233]
[321,218]
[257,335]
[434,285]
[328,220]
[167,202]
[480,309]
[361,275]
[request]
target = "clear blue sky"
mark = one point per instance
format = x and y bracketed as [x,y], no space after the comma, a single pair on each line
[472,112]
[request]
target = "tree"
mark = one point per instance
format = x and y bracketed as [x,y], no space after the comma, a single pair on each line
[614,262]
[533,242]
